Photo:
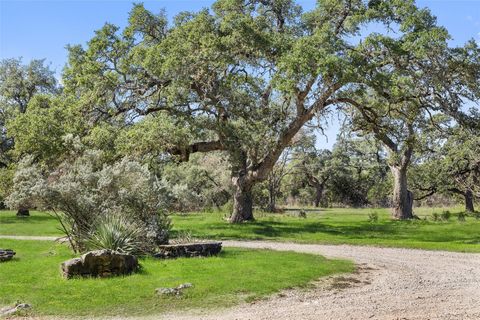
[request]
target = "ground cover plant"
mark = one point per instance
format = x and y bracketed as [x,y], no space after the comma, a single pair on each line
[33,277]
[332,226]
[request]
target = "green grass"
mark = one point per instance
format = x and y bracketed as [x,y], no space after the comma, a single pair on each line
[343,226]
[38,224]
[235,275]
[332,226]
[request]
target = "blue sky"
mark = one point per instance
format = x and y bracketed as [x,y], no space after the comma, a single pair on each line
[41,29]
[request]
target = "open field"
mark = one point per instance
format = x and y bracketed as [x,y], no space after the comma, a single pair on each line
[328,226]
[34,277]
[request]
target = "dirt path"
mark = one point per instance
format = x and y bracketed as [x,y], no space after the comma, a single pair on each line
[391,283]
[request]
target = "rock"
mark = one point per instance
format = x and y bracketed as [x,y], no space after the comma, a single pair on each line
[23,212]
[8,311]
[173,291]
[188,250]
[100,263]
[6,254]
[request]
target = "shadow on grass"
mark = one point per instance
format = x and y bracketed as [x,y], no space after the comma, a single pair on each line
[28,220]
[391,230]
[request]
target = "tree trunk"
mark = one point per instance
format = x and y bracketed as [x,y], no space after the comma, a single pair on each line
[469,201]
[242,202]
[402,201]
[272,203]
[318,195]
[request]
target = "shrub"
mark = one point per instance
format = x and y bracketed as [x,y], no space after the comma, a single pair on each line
[477,215]
[302,214]
[446,215]
[461,216]
[85,191]
[435,216]
[115,232]
[373,217]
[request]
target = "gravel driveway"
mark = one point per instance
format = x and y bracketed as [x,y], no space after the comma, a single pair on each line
[391,283]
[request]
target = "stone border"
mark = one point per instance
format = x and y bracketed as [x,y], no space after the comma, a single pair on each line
[188,250]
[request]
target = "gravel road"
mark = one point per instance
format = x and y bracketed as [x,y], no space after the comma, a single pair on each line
[390,283]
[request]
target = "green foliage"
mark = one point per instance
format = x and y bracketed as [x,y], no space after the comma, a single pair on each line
[245,77]
[85,190]
[40,131]
[19,84]
[117,233]
[201,183]
[451,166]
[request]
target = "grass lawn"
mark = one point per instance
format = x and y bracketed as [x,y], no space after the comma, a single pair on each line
[38,224]
[343,226]
[235,275]
[333,226]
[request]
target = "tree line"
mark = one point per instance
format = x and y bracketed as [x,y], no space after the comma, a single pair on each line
[219,104]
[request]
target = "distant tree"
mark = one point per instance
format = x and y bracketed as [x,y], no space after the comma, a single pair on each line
[313,167]
[452,166]
[360,172]
[19,84]
[401,97]
[201,183]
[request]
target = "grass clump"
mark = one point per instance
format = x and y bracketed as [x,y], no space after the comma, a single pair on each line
[373,217]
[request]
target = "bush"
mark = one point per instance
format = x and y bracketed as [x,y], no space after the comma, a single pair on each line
[115,232]
[373,217]
[85,192]
[435,216]
[461,216]
[446,215]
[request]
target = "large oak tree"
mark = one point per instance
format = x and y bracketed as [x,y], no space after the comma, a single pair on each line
[243,77]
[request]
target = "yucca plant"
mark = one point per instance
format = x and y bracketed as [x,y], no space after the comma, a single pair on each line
[115,232]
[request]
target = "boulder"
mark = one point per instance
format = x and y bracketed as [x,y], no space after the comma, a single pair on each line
[188,250]
[173,291]
[100,263]
[10,311]
[6,254]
